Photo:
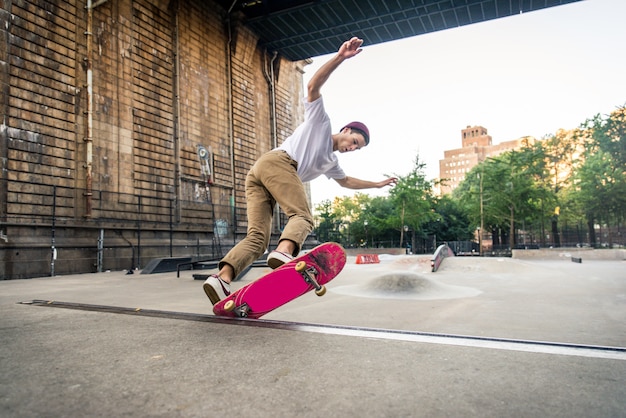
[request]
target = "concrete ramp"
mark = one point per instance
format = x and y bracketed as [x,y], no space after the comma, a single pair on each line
[405,285]
[496,267]
[163,265]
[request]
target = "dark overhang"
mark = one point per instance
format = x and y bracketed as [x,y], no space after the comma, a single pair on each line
[300,29]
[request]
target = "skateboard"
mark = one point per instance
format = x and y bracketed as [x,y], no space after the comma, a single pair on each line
[310,271]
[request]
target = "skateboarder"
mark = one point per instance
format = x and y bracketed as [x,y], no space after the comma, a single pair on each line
[278,177]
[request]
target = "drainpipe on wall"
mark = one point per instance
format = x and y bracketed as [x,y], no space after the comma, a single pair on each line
[272,86]
[271,83]
[231,129]
[177,170]
[89,113]
[88,139]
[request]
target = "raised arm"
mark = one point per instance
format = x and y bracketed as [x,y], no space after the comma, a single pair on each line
[347,50]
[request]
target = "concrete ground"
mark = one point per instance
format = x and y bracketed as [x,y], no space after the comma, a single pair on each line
[482,337]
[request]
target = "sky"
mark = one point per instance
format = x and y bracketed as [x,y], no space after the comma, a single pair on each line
[528,74]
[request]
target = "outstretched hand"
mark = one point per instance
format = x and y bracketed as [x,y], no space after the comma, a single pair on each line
[391,181]
[351,48]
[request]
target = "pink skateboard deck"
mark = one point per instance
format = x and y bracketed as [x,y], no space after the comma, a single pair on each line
[310,271]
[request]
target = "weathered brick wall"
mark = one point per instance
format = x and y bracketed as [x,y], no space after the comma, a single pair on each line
[169,78]
[39,132]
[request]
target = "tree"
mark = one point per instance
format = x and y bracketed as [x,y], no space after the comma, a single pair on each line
[452,222]
[327,222]
[336,219]
[599,187]
[501,190]
[370,227]
[349,210]
[412,198]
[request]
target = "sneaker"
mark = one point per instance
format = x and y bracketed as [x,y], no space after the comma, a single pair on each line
[216,289]
[276,259]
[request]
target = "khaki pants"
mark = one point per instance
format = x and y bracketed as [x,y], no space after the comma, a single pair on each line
[272,179]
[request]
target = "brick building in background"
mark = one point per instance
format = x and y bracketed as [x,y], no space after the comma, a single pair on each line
[476,146]
[128,129]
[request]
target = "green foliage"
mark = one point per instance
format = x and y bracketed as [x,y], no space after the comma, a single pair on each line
[598,189]
[327,222]
[412,199]
[573,177]
[451,223]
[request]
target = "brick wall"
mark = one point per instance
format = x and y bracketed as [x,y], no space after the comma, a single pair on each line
[168,79]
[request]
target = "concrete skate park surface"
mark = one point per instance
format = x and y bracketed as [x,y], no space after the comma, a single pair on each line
[480,337]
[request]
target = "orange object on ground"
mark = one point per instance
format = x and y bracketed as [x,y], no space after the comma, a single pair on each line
[367,259]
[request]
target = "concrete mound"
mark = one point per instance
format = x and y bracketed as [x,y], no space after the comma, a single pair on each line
[400,283]
[405,285]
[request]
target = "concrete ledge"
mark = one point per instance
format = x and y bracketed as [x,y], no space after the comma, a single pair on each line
[392,251]
[570,253]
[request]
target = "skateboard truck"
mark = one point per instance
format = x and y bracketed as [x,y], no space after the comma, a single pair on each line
[308,274]
[241,310]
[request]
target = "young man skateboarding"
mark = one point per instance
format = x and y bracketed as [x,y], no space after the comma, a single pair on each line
[278,177]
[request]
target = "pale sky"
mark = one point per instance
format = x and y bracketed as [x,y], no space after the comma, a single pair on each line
[528,74]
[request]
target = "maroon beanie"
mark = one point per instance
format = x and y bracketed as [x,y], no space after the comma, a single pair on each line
[361,127]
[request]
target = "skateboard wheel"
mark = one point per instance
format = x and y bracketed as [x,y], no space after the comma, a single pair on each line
[321,291]
[300,266]
[229,306]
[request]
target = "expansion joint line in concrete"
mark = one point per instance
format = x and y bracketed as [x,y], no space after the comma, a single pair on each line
[540,347]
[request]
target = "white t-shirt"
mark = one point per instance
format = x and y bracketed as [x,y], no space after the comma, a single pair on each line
[311,145]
